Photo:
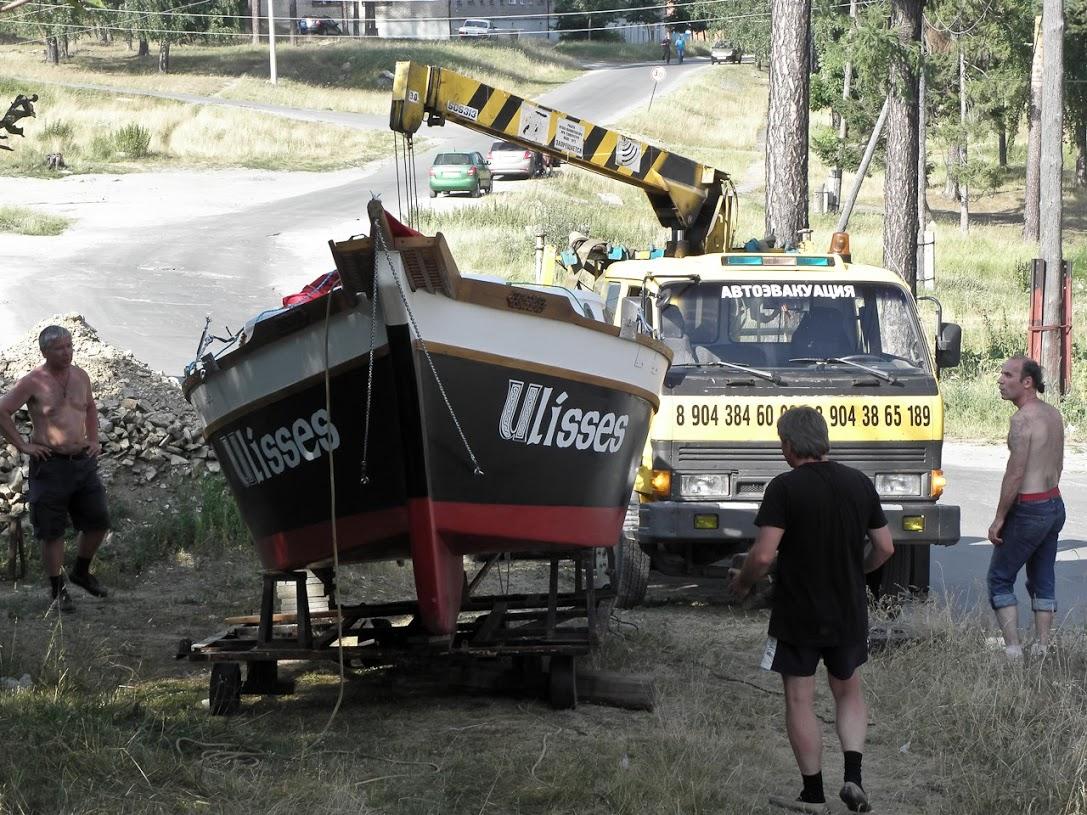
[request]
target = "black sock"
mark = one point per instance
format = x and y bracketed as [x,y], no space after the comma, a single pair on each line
[82,565]
[853,767]
[813,789]
[56,584]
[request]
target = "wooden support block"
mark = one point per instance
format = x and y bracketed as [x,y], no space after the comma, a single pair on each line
[615,689]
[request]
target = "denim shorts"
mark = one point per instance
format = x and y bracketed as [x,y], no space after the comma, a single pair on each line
[1030,538]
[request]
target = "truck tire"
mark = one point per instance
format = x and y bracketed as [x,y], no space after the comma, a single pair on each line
[906,573]
[631,575]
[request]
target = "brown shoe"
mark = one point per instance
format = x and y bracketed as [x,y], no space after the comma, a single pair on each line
[89,583]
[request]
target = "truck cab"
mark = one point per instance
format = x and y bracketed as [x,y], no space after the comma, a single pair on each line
[752,335]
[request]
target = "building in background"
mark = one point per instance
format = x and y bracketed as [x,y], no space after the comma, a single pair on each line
[429,19]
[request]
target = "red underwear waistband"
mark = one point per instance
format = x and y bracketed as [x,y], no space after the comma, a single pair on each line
[1029,497]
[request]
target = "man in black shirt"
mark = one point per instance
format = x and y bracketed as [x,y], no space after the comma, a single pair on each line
[814,519]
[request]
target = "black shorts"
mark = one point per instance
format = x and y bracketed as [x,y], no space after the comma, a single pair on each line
[63,487]
[802,660]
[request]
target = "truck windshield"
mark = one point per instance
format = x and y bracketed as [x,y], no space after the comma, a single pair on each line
[787,324]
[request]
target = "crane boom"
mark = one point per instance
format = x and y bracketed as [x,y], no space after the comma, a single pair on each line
[697,202]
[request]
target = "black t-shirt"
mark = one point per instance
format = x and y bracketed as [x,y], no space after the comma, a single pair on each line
[826,510]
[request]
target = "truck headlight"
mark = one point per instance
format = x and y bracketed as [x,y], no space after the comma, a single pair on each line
[704,485]
[898,483]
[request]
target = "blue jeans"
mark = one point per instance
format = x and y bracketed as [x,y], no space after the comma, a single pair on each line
[1030,538]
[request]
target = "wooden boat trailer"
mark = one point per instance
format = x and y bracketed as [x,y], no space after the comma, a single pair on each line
[526,628]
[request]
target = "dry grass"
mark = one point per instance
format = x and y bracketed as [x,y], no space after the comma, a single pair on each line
[318,73]
[85,126]
[24,221]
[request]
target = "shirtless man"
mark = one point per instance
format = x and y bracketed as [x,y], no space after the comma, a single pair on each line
[63,449]
[1030,514]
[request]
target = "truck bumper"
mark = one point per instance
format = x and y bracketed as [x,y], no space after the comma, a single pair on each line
[715,522]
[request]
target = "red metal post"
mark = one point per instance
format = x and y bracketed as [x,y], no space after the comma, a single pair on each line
[1034,325]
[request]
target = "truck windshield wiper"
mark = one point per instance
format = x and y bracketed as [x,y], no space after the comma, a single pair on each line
[767,375]
[838,360]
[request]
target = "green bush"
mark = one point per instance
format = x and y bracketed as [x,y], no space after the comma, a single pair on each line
[132,140]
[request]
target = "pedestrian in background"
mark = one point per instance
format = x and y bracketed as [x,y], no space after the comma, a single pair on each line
[815,520]
[1030,513]
[666,48]
[681,45]
[63,448]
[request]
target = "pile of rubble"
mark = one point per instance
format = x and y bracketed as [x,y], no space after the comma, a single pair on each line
[150,435]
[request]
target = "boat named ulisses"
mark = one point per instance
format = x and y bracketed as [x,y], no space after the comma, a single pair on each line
[431,415]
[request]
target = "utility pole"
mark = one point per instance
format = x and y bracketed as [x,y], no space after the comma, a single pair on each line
[843,125]
[1034,137]
[964,184]
[1051,167]
[272,41]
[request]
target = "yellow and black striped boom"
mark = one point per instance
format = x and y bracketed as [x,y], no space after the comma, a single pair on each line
[697,202]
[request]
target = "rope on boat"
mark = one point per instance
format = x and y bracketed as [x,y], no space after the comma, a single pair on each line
[335,538]
[476,469]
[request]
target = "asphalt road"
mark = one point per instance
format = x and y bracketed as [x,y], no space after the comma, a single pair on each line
[149,289]
[974,484]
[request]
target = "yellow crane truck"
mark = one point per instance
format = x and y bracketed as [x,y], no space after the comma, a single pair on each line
[754,331]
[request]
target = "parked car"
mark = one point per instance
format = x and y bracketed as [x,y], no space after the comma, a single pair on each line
[481,27]
[318,25]
[460,172]
[508,159]
[724,52]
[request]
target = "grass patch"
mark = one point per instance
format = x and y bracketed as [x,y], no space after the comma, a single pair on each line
[25,221]
[319,73]
[102,132]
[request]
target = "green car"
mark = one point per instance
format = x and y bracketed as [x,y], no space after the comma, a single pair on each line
[460,172]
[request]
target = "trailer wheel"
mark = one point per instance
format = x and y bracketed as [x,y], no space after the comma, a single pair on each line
[562,683]
[631,575]
[225,691]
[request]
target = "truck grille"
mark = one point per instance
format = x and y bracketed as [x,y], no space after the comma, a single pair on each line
[864,457]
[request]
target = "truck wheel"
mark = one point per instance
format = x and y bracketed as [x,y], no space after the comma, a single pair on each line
[906,573]
[631,574]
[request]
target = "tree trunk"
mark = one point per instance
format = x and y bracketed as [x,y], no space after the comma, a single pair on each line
[964,186]
[1034,140]
[254,20]
[145,48]
[900,189]
[951,164]
[64,52]
[1080,137]
[103,35]
[292,10]
[1050,171]
[52,50]
[787,121]
[1002,146]
[164,57]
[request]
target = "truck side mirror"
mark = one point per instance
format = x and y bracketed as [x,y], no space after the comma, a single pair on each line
[949,346]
